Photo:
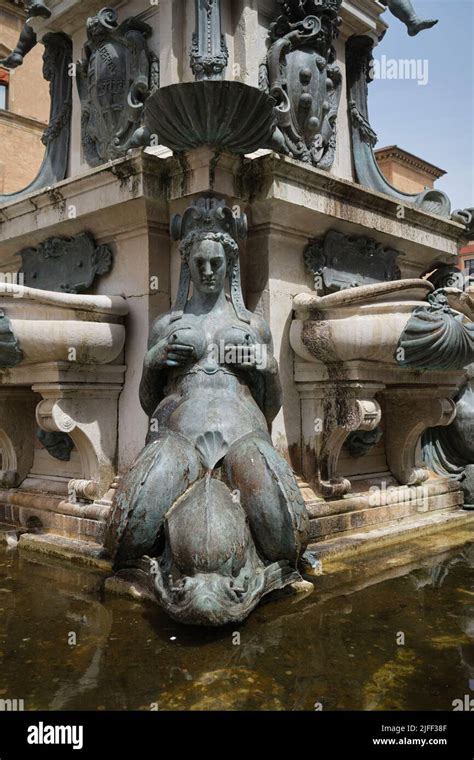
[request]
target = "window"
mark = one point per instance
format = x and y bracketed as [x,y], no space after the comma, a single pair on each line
[469,267]
[4,80]
[3,96]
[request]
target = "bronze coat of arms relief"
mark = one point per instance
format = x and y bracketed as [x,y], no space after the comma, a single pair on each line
[301,73]
[114,79]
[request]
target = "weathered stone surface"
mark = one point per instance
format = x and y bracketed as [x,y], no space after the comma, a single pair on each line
[64,327]
[340,327]
[346,338]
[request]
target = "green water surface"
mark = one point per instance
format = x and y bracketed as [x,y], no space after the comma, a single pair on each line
[340,648]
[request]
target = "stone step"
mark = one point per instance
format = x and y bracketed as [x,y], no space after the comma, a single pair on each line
[425,549]
[73,550]
[393,494]
[324,527]
[375,538]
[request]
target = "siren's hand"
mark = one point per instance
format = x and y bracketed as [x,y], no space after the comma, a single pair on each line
[169,353]
[185,344]
[178,354]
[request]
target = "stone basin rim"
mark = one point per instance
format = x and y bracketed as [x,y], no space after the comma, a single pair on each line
[365,293]
[113,305]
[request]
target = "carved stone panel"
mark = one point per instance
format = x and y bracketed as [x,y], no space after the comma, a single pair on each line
[114,79]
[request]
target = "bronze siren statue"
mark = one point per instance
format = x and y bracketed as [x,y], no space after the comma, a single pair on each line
[211,504]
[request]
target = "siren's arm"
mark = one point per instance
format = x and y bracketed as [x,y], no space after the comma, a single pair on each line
[155,372]
[264,381]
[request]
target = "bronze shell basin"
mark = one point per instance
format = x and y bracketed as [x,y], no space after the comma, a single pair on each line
[230,115]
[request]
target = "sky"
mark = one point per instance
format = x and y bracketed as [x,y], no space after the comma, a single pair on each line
[435,121]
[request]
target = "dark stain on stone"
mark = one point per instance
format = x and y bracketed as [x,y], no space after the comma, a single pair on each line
[212,168]
[294,457]
[127,177]
[58,202]
[251,179]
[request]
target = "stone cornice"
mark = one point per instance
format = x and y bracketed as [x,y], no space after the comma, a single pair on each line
[362,17]
[137,185]
[9,6]
[142,190]
[26,122]
[69,16]
[273,168]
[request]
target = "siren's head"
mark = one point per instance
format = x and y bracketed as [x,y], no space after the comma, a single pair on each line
[209,256]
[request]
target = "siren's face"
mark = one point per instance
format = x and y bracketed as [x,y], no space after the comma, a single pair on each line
[208,266]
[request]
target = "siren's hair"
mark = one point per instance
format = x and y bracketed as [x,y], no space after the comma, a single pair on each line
[228,243]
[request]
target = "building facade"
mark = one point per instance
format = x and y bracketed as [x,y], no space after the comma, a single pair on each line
[406,171]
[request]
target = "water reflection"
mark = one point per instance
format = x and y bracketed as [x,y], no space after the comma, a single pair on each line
[337,648]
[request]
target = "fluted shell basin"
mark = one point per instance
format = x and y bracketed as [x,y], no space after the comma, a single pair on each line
[229,115]
[40,326]
[356,324]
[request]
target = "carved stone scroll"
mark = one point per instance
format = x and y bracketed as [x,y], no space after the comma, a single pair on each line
[408,412]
